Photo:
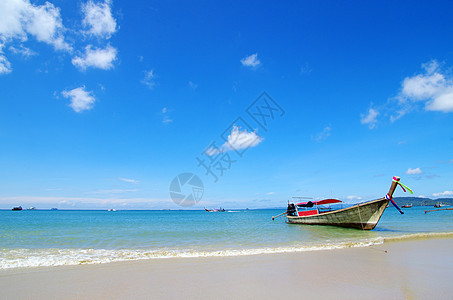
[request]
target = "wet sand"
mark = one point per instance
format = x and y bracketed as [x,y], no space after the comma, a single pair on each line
[415,269]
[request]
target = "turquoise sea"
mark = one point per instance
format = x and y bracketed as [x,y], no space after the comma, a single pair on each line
[32,238]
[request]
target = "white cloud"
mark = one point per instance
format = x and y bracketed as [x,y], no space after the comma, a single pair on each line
[46,25]
[96,58]
[5,65]
[212,151]
[112,191]
[12,19]
[166,118]
[20,18]
[102,198]
[98,18]
[431,66]
[22,50]
[149,79]
[324,134]
[446,193]
[422,87]
[432,87]
[370,118]
[192,85]
[129,180]
[443,102]
[237,140]
[242,139]
[251,61]
[416,171]
[352,197]
[80,99]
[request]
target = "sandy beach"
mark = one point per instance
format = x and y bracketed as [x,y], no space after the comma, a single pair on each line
[415,269]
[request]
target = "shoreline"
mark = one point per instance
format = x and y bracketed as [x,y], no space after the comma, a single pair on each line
[417,268]
[76,257]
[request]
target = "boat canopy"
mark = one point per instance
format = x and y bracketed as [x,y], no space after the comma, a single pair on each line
[320,202]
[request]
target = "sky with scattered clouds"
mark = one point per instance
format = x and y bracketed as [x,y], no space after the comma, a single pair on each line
[104,103]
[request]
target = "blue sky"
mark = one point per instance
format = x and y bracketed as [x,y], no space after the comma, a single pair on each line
[103,104]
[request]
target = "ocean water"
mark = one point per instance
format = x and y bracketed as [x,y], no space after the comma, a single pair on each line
[36,238]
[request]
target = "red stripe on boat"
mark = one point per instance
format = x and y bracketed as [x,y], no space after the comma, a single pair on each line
[308,212]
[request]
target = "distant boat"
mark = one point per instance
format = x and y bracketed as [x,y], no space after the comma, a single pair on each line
[31,208]
[363,216]
[406,206]
[215,210]
[17,208]
[111,209]
[54,208]
[438,205]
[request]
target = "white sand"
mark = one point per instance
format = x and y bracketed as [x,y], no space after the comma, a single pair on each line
[419,269]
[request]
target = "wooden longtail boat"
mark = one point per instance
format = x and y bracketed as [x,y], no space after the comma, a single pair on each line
[363,216]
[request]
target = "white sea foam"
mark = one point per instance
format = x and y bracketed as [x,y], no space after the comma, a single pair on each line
[21,258]
[26,258]
[419,236]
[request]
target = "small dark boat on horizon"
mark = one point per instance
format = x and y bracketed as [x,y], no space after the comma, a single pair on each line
[406,206]
[215,210]
[17,208]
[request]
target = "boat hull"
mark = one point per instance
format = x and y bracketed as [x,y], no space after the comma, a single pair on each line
[361,216]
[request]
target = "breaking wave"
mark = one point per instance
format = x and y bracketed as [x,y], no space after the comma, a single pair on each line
[28,258]
[24,258]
